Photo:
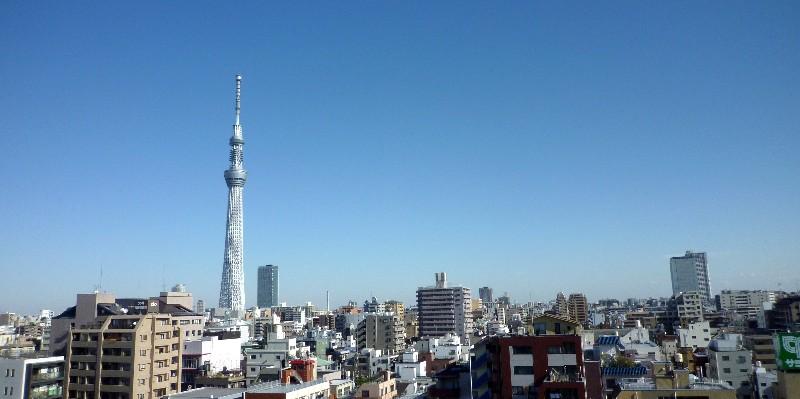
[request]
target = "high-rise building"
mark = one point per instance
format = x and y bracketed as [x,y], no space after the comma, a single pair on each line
[395,307]
[690,273]
[442,309]
[485,293]
[561,307]
[231,292]
[382,331]
[201,306]
[267,286]
[578,307]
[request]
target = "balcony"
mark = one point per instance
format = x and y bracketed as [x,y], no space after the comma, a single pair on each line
[559,360]
[41,377]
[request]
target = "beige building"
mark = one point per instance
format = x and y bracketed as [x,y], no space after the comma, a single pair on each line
[395,307]
[667,382]
[124,357]
[385,388]
[381,331]
[578,307]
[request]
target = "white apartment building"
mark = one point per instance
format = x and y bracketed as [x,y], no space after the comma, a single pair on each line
[31,377]
[730,362]
[695,335]
[735,299]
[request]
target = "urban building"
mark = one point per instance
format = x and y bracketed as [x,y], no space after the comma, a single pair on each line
[381,331]
[231,293]
[664,381]
[209,356]
[785,314]
[544,366]
[443,309]
[730,362]
[690,273]
[694,335]
[279,390]
[395,307]
[735,299]
[685,307]
[763,349]
[31,376]
[385,388]
[267,286]
[578,307]
[485,294]
[373,306]
[561,306]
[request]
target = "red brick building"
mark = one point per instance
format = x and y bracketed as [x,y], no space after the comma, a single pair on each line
[542,367]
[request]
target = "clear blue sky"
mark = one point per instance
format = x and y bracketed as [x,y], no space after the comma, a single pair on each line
[532,147]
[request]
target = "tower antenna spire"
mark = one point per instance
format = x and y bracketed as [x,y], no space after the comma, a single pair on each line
[238,96]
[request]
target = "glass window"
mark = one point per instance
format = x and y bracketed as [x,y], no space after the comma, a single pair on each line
[523,370]
[521,350]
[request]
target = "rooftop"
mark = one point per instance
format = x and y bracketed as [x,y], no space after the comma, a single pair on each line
[209,392]
[279,387]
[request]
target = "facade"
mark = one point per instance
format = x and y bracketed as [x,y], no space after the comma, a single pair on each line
[690,273]
[736,299]
[695,335]
[730,362]
[231,293]
[124,357]
[442,309]
[485,294]
[763,349]
[209,355]
[381,331]
[31,377]
[395,307]
[545,366]
[267,286]
[578,307]
[561,306]
[685,308]
[385,388]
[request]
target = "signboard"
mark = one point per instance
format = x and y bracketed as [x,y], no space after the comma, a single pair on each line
[787,351]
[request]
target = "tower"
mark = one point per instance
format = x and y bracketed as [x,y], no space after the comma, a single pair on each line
[690,273]
[231,292]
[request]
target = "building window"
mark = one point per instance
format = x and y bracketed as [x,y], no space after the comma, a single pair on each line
[144,337]
[141,381]
[521,350]
[364,394]
[143,352]
[523,370]
[726,358]
[517,390]
[726,370]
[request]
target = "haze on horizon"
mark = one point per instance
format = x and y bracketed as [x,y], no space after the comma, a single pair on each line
[529,147]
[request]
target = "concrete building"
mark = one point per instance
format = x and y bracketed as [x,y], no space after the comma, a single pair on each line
[395,307]
[761,345]
[443,309]
[381,331]
[663,381]
[578,307]
[690,273]
[267,294]
[730,362]
[685,308]
[485,294]
[545,366]
[561,307]
[278,390]
[385,388]
[31,377]
[209,355]
[735,299]
[694,335]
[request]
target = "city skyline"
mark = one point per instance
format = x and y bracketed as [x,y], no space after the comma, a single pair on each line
[464,139]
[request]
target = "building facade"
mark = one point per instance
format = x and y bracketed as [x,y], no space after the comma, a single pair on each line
[34,377]
[578,307]
[381,331]
[442,309]
[690,273]
[267,286]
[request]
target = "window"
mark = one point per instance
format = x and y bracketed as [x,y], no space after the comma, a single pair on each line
[141,381]
[521,350]
[365,393]
[12,374]
[142,367]
[726,370]
[726,358]
[144,337]
[143,352]
[523,370]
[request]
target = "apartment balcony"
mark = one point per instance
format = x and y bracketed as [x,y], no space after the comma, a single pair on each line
[117,344]
[115,373]
[45,377]
[558,360]
[564,378]
[83,358]
[81,387]
[115,388]
[84,344]
[117,359]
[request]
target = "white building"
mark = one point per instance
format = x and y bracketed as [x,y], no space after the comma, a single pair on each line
[24,378]
[410,366]
[734,299]
[730,362]
[695,335]
[217,353]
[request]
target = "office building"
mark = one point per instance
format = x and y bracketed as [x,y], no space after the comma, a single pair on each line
[443,309]
[690,273]
[267,286]
[736,299]
[485,294]
[231,292]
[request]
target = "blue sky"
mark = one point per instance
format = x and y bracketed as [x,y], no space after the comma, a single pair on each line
[531,147]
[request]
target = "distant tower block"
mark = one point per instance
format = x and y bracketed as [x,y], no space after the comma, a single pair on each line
[231,292]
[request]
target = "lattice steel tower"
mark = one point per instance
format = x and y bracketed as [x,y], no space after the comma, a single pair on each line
[231,292]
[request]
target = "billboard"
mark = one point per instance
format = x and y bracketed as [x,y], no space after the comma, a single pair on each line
[787,351]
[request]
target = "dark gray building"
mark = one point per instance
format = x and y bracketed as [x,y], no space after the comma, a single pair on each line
[485,293]
[267,286]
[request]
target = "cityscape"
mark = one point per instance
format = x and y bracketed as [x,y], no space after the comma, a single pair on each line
[522,244]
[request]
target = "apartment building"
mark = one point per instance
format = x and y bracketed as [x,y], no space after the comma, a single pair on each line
[381,331]
[31,376]
[578,307]
[443,309]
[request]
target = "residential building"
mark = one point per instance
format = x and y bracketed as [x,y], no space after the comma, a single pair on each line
[279,390]
[694,335]
[443,309]
[664,381]
[578,308]
[561,306]
[544,366]
[381,331]
[785,315]
[730,362]
[395,307]
[31,376]
[267,294]
[763,349]
[385,388]
[209,355]
[690,273]
[685,308]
